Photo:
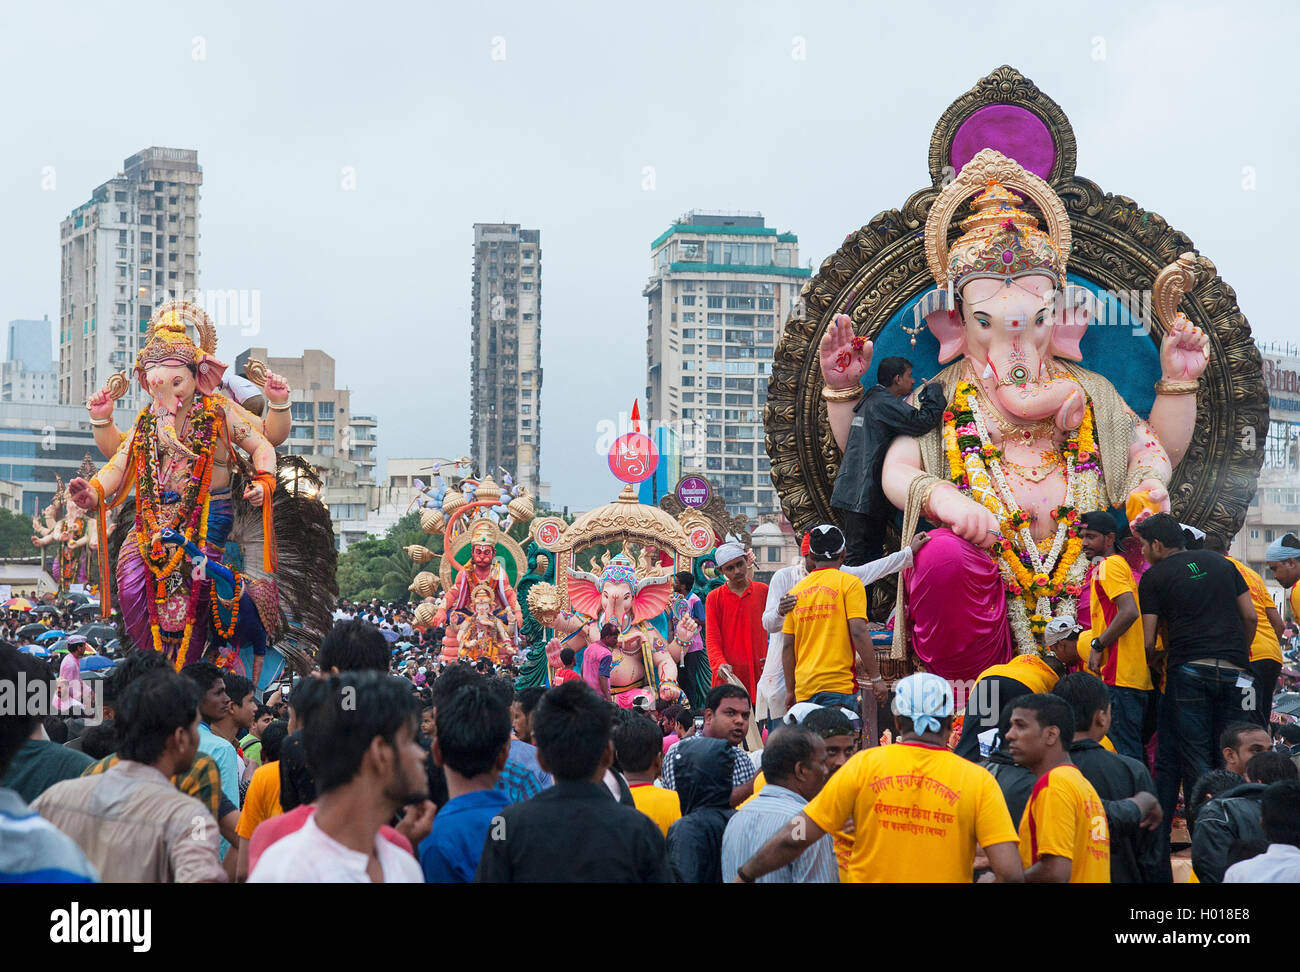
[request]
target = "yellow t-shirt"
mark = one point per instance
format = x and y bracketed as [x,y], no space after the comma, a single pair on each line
[918,812]
[1265,647]
[1065,818]
[1029,670]
[1294,597]
[662,806]
[824,660]
[1125,662]
[262,801]
[843,838]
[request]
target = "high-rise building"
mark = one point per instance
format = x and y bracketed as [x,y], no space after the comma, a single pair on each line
[29,344]
[506,353]
[721,287]
[323,428]
[134,244]
[29,373]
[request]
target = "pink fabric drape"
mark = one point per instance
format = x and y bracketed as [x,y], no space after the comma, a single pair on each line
[957,608]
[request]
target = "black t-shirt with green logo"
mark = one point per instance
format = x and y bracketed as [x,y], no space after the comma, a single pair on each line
[1195,594]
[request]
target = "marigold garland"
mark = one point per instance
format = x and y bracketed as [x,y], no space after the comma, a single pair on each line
[1042,577]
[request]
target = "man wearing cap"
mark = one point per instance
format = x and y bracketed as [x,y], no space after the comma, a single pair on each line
[733,630]
[826,629]
[919,811]
[1284,561]
[1116,650]
[71,688]
[770,702]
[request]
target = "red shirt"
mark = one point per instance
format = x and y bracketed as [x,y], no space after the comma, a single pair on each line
[272,829]
[563,675]
[734,634]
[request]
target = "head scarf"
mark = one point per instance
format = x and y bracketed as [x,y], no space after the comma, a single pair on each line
[728,552]
[1059,629]
[924,698]
[1286,547]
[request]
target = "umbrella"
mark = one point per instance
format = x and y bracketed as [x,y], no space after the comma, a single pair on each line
[31,630]
[36,650]
[1288,704]
[92,663]
[18,604]
[84,612]
[45,609]
[97,633]
[53,634]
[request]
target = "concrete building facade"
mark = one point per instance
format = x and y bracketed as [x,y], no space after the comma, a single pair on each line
[131,246]
[506,353]
[721,287]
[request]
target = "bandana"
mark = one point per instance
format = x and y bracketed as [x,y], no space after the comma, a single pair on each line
[1283,548]
[803,547]
[925,699]
[1059,629]
[728,552]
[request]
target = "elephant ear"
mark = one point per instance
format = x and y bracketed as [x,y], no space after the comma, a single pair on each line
[1072,320]
[948,327]
[209,374]
[584,593]
[652,597]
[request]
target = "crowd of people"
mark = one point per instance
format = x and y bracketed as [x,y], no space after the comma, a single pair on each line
[390,764]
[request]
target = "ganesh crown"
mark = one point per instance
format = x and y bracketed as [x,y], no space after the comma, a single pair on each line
[167,341]
[1000,239]
[620,570]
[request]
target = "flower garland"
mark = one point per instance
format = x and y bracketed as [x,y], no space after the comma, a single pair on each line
[187,515]
[228,631]
[1043,578]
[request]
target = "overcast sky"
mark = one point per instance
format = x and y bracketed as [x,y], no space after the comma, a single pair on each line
[548,114]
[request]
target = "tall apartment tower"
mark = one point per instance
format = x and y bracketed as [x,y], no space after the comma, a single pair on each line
[29,373]
[721,287]
[506,353]
[134,244]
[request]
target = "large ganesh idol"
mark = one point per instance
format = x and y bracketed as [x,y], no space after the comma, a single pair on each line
[1029,440]
[196,558]
[1089,358]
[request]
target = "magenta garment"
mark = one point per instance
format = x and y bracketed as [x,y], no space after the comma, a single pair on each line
[957,608]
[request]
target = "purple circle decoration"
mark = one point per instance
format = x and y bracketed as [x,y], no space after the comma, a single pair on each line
[1014,131]
[693,492]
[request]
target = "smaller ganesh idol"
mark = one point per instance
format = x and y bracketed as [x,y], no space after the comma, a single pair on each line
[174,590]
[482,635]
[644,662]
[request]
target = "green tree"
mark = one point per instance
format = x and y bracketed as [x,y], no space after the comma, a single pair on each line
[380,568]
[16,536]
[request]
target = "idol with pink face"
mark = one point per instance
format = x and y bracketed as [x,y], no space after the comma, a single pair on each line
[645,662]
[1013,340]
[178,459]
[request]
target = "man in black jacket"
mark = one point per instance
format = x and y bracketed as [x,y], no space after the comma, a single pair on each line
[575,830]
[1015,781]
[1124,785]
[1235,816]
[703,780]
[877,418]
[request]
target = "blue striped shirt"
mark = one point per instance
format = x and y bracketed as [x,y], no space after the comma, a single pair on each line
[762,818]
[34,851]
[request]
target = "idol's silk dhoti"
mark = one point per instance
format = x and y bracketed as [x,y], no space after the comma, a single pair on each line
[957,606]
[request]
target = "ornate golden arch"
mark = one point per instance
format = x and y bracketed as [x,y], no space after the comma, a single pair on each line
[624,520]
